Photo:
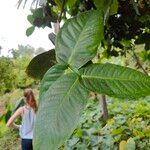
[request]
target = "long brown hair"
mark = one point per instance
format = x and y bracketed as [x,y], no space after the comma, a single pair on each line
[30,99]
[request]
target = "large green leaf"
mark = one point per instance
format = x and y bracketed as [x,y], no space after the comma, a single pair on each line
[50,77]
[40,64]
[59,112]
[117,81]
[79,38]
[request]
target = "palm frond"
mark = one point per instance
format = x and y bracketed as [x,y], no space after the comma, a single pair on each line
[32,3]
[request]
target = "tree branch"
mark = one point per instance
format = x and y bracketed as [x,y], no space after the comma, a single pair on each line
[103,103]
[138,61]
[62,10]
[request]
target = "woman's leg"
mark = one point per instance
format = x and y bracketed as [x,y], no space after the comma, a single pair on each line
[26,144]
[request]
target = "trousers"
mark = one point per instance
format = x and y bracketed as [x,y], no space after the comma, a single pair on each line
[26,144]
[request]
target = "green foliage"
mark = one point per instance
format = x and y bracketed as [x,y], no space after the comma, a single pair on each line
[63,97]
[71,3]
[22,80]
[64,113]
[50,77]
[40,64]
[12,70]
[79,37]
[30,30]
[109,7]
[124,20]
[127,121]
[7,75]
[115,81]
[41,17]
[130,144]
[77,43]
[9,140]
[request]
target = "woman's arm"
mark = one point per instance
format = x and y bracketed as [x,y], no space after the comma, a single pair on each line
[10,122]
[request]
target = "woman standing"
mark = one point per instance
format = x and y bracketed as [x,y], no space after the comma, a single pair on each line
[28,114]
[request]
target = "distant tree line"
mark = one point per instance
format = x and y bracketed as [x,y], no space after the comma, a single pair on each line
[12,69]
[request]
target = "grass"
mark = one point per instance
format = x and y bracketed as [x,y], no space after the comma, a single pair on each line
[10,140]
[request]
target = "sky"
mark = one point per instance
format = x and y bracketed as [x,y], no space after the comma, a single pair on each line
[13,28]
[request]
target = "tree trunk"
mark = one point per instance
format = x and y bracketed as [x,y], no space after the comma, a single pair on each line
[103,103]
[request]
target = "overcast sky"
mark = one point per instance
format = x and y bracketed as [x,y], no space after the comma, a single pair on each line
[13,26]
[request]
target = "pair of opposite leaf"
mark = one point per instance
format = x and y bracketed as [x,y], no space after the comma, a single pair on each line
[65,86]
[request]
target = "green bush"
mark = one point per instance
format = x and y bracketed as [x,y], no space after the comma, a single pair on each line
[7,75]
[127,120]
[9,139]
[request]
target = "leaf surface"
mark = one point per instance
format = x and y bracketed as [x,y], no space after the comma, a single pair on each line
[116,81]
[59,112]
[40,64]
[30,30]
[50,77]
[79,38]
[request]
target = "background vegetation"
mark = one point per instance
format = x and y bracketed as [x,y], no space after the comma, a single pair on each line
[126,42]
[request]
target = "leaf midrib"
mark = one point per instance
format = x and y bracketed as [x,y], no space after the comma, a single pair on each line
[107,78]
[78,40]
[65,98]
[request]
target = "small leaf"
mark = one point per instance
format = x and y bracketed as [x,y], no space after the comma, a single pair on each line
[79,38]
[59,112]
[116,81]
[52,37]
[30,30]
[30,19]
[114,7]
[130,144]
[122,145]
[40,64]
